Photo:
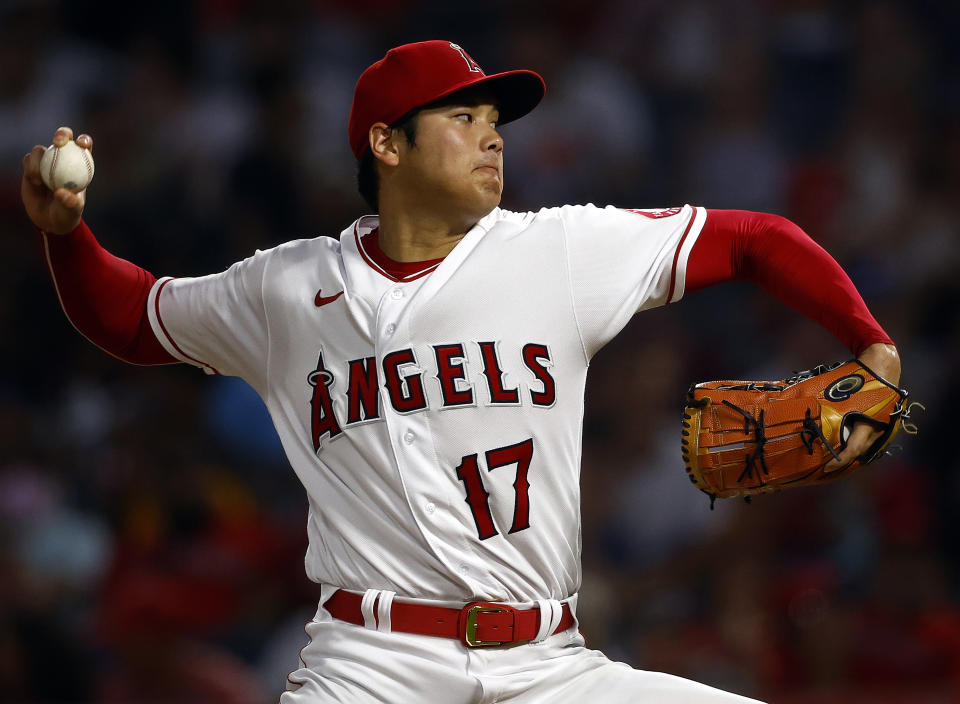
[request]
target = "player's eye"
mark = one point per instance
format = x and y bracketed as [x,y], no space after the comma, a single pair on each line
[464,117]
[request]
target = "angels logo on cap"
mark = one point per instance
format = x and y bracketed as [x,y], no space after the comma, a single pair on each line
[414,75]
[473,65]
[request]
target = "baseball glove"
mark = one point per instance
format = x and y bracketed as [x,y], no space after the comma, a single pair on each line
[742,438]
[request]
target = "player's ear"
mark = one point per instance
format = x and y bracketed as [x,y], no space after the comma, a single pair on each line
[383,143]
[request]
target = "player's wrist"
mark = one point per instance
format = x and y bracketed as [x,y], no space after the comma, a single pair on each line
[76,232]
[883,359]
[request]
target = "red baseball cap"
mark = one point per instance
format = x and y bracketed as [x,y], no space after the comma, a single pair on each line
[414,75]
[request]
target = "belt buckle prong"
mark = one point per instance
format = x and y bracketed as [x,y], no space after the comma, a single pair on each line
[469,628]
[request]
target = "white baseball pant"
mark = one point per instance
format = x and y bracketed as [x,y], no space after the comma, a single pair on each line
[351,664]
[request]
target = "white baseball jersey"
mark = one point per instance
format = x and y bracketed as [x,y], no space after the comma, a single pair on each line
[435,421]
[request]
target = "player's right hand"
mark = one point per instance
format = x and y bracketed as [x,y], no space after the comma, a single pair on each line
[57,212]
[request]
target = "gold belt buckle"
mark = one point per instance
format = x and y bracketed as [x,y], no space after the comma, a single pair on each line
[468,621]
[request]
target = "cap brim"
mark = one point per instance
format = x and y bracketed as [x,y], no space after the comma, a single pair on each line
[515,92]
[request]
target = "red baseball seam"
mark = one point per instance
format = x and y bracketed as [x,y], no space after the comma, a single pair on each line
[53,165]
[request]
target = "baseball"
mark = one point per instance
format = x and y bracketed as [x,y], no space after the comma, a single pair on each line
[69,166]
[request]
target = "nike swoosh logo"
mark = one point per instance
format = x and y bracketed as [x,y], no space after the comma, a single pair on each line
[322,300]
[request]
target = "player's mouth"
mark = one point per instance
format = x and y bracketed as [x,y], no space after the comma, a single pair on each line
[491,169]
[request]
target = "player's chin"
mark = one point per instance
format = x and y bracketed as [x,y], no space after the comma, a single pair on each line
[488,177]
[487,202]
[489,191]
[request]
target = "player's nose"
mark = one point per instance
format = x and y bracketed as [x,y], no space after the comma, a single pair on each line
[492,141]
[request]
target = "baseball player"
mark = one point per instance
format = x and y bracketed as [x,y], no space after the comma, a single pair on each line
[425,373]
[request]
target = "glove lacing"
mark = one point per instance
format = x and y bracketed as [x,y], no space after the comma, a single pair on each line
[811,431]
[760,438]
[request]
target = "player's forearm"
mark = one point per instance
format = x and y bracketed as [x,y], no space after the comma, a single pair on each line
[778,256]
[104,297]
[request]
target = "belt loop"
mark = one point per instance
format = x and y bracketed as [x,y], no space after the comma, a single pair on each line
[571,603]
[366,608]
[551,611]
[383,611]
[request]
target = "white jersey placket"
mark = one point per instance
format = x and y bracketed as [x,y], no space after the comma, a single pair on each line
[409,431]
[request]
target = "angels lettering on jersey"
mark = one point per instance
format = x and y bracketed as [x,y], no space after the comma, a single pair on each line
[403,380]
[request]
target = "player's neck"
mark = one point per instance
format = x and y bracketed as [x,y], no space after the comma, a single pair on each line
[418,236]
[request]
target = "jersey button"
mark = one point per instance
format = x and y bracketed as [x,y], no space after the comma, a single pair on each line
[396,293]
[409,437]
[391,328]
[430,508]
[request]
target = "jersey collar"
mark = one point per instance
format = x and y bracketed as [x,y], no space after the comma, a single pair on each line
[366,235]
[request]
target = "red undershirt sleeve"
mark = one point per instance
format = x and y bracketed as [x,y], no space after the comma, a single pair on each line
[104,297]
[778,256]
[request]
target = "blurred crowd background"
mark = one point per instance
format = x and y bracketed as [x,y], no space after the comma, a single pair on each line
[151,531]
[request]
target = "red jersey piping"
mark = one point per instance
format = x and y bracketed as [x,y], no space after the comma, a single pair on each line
[384,271]
[156,308]
[676,255]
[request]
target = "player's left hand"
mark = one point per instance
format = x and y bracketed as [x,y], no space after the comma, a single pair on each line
[885,362]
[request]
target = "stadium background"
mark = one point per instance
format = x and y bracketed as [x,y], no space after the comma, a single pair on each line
[151,532]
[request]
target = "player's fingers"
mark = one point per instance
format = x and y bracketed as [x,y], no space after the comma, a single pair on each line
[62,136]
[31,165]
[860,440]
[31,160]
[846,457]
[68,199]
[85,141]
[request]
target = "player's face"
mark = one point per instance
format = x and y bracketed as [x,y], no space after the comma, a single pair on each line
[457,162]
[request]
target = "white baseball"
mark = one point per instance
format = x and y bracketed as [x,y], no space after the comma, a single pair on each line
[69,166]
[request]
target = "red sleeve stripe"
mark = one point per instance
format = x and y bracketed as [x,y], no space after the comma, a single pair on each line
[173,343]
[676,258]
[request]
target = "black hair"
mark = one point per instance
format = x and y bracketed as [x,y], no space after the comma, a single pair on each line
[368,180]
